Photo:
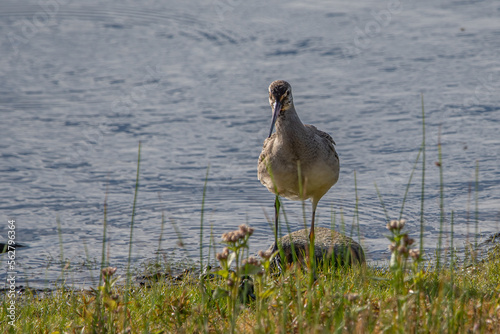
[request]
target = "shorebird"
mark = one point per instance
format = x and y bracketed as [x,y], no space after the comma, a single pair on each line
[295,149]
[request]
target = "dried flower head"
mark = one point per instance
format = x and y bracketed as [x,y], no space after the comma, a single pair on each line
[402,223]
[396,224]
[402,250]
[226,237]
[252,260]
[239,234]
[407,241]
[266,255]
[108,271]
[243,228]
[392,225]
[415,254]
[222,256]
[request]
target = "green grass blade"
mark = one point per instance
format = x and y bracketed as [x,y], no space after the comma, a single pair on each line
[409,183]
[422,195]
[202,216]
[441,202]
[477,206]
[382,203]
[127,286]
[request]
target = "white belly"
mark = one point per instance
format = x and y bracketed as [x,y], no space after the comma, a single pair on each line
[317,177]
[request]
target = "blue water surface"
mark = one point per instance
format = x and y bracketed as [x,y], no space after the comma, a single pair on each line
[83,82]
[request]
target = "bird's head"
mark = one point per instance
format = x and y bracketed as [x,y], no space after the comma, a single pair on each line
[280,99]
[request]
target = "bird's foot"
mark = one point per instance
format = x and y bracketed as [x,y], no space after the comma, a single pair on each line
[277,265]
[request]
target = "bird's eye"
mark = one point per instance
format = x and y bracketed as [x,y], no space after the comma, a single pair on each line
[284,96]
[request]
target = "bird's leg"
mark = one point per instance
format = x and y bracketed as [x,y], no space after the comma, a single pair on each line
[311,231]
[312,257]
[277,205]
[276,260]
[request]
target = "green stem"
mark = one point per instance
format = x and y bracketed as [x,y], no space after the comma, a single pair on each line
[441,201]
[161,232]
[451,324]
[408,184]
[127,287]
[382,203]
[422,196]
[356,208]
[103,258]
[61,248]
[201,218]
[422,199]
[477,206]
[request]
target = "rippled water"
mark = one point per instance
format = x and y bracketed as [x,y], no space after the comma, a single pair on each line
[81,83]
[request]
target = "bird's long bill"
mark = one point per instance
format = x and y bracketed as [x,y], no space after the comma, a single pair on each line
[276,112]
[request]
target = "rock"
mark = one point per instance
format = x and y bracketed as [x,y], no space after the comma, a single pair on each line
[493,238]
[328,245]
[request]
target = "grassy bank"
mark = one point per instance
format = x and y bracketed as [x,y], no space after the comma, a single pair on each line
[343,300]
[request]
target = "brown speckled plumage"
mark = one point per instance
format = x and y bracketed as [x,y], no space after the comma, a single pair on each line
[295,144]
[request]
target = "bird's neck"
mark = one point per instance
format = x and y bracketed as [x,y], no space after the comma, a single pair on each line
[289,124]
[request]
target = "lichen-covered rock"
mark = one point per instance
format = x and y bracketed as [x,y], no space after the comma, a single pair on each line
[329,245]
